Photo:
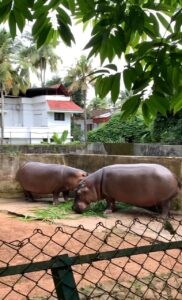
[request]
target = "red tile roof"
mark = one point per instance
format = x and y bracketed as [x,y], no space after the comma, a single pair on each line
[64,106]
[101,119]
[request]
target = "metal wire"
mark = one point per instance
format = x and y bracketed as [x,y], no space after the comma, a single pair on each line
[150,275]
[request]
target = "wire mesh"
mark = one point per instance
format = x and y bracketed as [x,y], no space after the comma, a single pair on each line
[154,275]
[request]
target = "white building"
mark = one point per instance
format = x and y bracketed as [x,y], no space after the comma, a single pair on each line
[34,117]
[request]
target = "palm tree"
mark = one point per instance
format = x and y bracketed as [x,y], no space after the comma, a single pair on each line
[40,59]
[79,78]
[5,71]
[13,76]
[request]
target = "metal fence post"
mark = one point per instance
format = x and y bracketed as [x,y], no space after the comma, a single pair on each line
[64,281]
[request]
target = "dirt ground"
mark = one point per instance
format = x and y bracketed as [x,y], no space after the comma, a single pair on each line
[157,275]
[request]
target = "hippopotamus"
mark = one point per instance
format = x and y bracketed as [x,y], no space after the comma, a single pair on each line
[144,185]
[42,178]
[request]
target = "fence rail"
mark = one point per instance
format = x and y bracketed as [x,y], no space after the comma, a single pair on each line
[140,259]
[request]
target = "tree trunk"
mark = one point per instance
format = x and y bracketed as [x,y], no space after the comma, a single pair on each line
[41,72]
[85,115]
[2,116]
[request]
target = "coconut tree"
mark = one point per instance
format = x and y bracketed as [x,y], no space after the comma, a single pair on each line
[14,74]
[5,71]
[79,78]
[39,60]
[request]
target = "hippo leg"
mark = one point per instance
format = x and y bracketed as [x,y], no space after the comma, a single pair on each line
[55,198]
[110,206]
[165,209]
[65,195]
[29,196]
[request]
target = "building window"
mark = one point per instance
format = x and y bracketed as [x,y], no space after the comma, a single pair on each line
[59,116]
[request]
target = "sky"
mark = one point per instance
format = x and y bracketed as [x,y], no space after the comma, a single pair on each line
[70,55]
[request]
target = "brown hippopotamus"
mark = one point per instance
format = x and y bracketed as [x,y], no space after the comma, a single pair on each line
[42,178]
[144,185]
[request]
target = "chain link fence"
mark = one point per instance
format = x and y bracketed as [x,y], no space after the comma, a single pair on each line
[138,259]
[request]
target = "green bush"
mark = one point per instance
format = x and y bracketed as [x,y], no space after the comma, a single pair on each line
[76,132]
[167,130]
[120,131]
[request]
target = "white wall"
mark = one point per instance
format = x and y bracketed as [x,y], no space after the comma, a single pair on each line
[59,126]
[34,112]
[13,112]
[31,119]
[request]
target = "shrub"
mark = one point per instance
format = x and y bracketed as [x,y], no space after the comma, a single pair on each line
[167,130]
[119,131]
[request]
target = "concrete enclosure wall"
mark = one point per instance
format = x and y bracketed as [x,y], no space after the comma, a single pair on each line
[98,148]
[9,188]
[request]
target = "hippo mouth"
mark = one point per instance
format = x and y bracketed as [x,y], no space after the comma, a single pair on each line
[79,207]
[77,210]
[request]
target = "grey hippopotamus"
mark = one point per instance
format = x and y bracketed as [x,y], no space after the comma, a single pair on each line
[144,185]
[42,178]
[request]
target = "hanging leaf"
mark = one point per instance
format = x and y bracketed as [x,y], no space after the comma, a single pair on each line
[5,3]
[111,66]
[12,24]
[98,85]
[176,102]
[144,47]
[39,24]
[155,24]
[23,8]
[178,24]
[65,33]
[83,5]
[106,86]
[54,4]
[142,80]
[96,39]
[129,76]
[115,89]
[20,20]
[146,113]
[130,107]
[63,16]
[38,4]
[4,11]
[43,35]
[71,4]
[164,22]
[161,104]
[100,71]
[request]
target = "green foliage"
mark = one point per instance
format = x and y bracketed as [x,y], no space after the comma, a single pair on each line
[40,59]
[64,211]
[119,131]
[59,140]
[127,28]
[76,96]
[53,80]
[76,132]
[167,130]
[97,103]
[54,212]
